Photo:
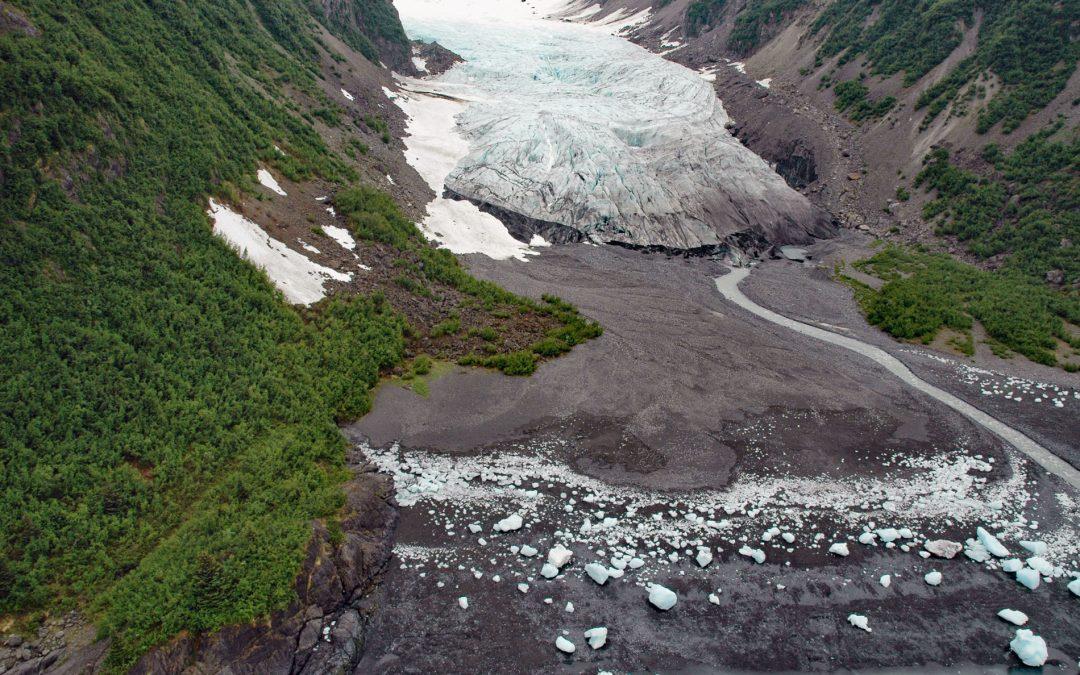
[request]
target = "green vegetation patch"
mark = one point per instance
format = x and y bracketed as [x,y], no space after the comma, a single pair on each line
[702,13]
[852,99]
[925,293]
[1030,46]
[1028,208]
[756,17]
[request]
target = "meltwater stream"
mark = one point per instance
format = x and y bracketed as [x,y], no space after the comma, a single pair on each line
[569,125]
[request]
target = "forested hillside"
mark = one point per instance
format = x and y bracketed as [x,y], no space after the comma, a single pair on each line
[169,423]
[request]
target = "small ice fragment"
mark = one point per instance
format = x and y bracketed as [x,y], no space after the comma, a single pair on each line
[888,534]
[1035,547]
[860,621]
[523,587]
[1029,647]
[559,555]
[1074,586]
[549,571]
[564,645]
[943,548]
[867,538]
[662,598]
[933,578]
[597,637]
[463,602]
[1041,565]
[1013,616]
[755,553]
[597,573]
[714,598]
[1028,577]
[508,524]
[474,528]
[635,563]
[788,537]
[569,608]
[991,543]
[1012,565]
[527,551]
[704,557]
[885,580]
[840,549]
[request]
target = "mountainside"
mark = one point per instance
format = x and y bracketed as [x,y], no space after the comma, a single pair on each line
[170,459]
[901,118]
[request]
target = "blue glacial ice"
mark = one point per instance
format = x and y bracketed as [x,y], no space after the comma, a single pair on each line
[572,126]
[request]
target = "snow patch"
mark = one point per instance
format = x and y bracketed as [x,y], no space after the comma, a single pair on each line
[298,278]
[268,181]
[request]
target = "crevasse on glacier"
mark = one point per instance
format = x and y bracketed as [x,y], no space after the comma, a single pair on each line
[586,130]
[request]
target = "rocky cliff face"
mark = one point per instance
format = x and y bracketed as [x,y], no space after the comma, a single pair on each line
[321,631]
[372,28]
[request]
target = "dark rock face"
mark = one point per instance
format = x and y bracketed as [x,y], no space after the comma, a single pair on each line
[439,59]
[321,631]
[371,27]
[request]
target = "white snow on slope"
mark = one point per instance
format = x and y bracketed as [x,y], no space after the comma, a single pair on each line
[433,147]
[268,181]
[300,279]
[347,95]
[340,235]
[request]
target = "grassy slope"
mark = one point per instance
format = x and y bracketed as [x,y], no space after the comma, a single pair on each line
[169,423]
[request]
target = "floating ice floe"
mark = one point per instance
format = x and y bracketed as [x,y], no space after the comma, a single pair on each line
[1030,648]
[661,597]
[860,621]
[597,637]
[268,181]
[564,645]
[840,549]
[933,578]
[509,523]
[1013,616]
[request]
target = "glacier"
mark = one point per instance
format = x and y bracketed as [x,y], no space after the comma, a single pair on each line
[574,129]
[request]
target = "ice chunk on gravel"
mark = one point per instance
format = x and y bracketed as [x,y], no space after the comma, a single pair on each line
[860,621]
[597,573]
[867,538]
[1035,547]
[943,548]
[1029,647]
[1074,586]
[1041,565]
[840,549]
[523,587]
[564,645]
[991,543]
[597,637]
[661,597]
[885,580]
[1013,616]
[933,578]
[888,534]
[704,557]
[549,571]
[1012,565]
[635,563]
[756,554]
[463,602]
[509,523]
[1028,577]
[559,556]
[714,598]
[527,551]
